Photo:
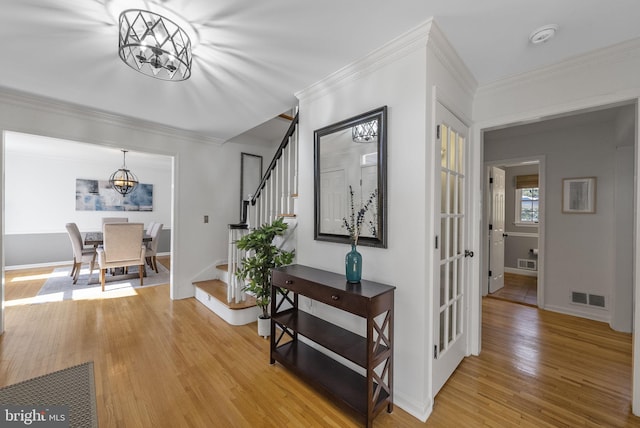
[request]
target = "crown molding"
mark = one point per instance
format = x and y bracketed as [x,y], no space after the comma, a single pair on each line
[54,106]
[425,34]
[447,55]
[390,52]
[621,52]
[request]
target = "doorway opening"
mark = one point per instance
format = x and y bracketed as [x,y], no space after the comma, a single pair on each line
[513,200]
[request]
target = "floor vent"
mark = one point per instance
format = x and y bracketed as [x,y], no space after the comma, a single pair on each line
[527,264]
[588,299]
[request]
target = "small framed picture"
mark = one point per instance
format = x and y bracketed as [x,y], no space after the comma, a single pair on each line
[579,195]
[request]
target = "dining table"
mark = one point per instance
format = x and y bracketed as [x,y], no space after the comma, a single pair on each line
[97,238]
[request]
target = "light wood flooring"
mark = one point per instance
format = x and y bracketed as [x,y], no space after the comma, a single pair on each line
[518,288]
[163,363]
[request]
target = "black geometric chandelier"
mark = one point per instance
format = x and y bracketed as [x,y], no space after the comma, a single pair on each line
[123,180]
[365,132]
[154,45]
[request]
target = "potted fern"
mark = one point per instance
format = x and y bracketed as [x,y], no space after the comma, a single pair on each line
[262,256]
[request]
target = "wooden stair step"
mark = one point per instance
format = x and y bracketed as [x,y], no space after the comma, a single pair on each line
[218,290]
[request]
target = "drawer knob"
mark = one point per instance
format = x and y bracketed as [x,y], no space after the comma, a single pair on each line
[288,281]
[334,297]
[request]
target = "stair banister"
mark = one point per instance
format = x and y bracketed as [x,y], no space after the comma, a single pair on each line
[272,198]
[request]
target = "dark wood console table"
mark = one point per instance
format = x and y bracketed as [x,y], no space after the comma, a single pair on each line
[366,394]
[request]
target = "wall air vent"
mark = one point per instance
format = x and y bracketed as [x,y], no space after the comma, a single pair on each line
[588,299]
[595,300]
[580,298]
[527,264]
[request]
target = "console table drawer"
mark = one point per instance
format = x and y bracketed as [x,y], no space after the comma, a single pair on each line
[330,288]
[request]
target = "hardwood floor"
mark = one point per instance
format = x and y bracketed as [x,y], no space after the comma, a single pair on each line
[518,288]
[163,363]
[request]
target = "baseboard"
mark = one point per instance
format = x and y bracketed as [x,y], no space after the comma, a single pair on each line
[39,265]
[409,405]
[58,263]
[524,272]
[578,313]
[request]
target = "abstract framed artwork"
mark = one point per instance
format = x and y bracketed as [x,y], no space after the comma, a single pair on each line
[98,195]
[579,195]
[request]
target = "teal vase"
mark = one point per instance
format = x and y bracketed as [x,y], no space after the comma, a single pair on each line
[353,265]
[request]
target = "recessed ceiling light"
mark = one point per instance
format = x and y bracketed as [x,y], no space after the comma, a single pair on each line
[543,34]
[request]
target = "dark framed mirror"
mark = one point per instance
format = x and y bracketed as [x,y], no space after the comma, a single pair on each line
[350,164]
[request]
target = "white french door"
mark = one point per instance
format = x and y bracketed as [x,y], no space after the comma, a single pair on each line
[450,312]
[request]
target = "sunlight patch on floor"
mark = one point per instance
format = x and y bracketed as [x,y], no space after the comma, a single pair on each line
[40,276]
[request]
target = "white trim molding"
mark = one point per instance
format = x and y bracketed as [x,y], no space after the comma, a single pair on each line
[50,105]
[417,38]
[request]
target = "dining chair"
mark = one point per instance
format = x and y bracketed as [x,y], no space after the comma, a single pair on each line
[150,227]
[152,246]
[114,220]
[80,253]
[122,247]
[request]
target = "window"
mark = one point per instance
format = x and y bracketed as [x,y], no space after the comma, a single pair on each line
[527,206]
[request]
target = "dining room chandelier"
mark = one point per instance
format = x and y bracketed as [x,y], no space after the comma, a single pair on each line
[123,180]
[154,45]
[366,132]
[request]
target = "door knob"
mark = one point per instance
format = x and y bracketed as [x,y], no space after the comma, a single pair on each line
[468,253]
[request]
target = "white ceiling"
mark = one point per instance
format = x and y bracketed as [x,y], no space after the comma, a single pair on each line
[254,55]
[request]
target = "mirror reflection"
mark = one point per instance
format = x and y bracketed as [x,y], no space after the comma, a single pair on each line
[349,175]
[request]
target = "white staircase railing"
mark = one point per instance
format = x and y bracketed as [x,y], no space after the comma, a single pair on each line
[234,257]
[274,198]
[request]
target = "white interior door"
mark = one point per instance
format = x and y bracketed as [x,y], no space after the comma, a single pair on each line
[496,229]
[369,182]
[450,312]
[333,203]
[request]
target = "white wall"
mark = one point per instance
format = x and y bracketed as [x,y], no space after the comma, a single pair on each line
[206,179]
[41,173]
[600,78]
[400,86]
[580,249]
[396,76]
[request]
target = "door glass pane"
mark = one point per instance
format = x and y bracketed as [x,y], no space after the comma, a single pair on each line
[460,195]
[443,191]
[452,193]
[443,239]
[452,150]
[442,336]
[444,153]
[460,154]
[460,235]
[452,279]
[459,317]
[443,283]
[452,236]
[459,277]
[451,317]
[454,241]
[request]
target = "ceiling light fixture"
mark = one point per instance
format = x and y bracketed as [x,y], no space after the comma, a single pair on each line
[154,45]
[543,34]
[366,132]
[123,180]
